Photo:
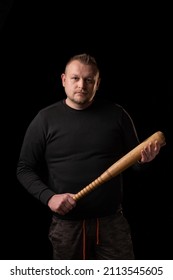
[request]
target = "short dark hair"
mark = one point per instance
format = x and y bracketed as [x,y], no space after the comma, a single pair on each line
[85,59]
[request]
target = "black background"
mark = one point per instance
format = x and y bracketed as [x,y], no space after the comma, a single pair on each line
[134,55]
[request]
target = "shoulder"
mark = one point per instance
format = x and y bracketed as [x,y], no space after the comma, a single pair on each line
[51,108]
[48,113]
[110,105]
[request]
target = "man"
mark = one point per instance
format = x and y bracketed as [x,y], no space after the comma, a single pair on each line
[75,140]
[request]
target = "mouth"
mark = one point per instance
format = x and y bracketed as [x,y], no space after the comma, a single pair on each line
[81,93]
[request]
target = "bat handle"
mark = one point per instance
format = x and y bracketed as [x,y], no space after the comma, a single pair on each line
[93,185]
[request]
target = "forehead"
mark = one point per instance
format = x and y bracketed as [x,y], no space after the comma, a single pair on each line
[76,67]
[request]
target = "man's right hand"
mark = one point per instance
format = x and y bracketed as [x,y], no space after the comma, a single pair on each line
[62,203]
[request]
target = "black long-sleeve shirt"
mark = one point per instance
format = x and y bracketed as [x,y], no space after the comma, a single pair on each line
[72,148]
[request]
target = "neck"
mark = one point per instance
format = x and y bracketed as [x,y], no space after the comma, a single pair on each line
[77,106]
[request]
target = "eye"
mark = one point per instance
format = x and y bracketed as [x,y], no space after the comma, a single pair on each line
[75,78]
[89,80]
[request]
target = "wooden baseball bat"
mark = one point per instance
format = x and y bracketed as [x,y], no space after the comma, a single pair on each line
[123,163]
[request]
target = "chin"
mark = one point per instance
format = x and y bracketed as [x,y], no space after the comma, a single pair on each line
[81,101]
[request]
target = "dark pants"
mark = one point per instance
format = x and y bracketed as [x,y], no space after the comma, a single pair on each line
[106,238]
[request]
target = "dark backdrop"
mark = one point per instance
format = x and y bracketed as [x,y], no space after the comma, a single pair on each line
[36,41]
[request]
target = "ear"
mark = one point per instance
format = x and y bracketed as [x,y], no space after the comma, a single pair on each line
[98,83]
[63,79]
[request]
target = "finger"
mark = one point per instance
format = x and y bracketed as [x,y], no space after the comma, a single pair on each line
[61,211]
[71,200]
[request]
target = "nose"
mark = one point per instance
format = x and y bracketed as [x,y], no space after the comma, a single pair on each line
[81,83]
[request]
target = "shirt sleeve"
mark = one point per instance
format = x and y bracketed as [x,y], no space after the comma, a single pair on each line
[31,167]
[131,139]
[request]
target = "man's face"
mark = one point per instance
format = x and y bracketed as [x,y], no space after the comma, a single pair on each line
[80,82]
